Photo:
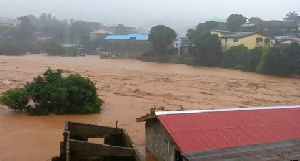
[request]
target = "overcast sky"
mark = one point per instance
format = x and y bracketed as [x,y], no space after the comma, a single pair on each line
[143,13]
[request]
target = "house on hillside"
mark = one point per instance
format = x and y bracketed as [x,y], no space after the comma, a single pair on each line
[9,22]
[249,39]
[258,133]
[127,46]
[41,36]
[99,34]
[181,44]
[273,28]
[289,40]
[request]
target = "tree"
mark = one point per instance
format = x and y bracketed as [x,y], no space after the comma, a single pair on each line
[26,28]
[208,50]
[161,36]
[276,62]
[235,57]
[201,29]
[16,99]
[209,25]
[252,59]
[235,22]
[79,30]
[291,16]
[255,20]
[52,92]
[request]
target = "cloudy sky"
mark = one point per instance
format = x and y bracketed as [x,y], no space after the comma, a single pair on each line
[143,13]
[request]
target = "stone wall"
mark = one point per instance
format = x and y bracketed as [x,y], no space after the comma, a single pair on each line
[127,48]
[158,141]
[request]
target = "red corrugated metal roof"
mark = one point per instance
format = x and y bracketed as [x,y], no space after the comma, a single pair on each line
[215,130]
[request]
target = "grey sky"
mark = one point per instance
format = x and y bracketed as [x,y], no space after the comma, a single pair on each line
[179,14]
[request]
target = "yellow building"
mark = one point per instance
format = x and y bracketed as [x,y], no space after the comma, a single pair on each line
[249,39]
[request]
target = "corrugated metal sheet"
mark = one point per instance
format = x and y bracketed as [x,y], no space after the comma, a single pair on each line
[215,130]
[282,150]
[127,37]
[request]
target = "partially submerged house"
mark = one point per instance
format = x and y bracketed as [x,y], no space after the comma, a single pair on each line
[116,144]
[127,46]
[258,133]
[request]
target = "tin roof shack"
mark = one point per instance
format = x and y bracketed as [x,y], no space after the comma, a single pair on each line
[117,145]
[127,46]
[258,133]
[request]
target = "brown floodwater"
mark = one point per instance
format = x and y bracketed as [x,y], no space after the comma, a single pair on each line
[130,88]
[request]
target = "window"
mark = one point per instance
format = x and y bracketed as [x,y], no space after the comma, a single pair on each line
[235,40]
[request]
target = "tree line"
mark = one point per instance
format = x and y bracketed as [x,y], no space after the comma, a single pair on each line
[23,38]
[207,51]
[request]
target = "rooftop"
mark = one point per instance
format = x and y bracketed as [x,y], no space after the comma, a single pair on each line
[222,31]
[202,130]
[296,39]
[239,34]
[127,37]
[282,150]
[102,32]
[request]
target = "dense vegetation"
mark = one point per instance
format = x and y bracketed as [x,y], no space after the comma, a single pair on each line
[52,93]
[160,37]
[23,38]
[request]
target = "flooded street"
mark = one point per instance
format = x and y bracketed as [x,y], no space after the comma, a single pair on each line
[130,88]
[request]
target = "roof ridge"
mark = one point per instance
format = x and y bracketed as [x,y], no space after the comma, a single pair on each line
[226,110]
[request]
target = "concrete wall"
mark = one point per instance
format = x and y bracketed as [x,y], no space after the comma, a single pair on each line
[127,48]
[158,141]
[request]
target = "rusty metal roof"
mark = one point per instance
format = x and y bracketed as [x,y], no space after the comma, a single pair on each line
[275,151]
[199,131]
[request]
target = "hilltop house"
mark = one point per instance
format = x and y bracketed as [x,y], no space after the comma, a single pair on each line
[257,133]
[8,22]
[249,39]
[289,40]
[273,28]
[127,46]
[99,34]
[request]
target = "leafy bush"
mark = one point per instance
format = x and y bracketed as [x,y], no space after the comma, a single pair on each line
[235,57]
[208,50]
[252,59]
[293,51]
[15,99]
[276,62]
[53,93]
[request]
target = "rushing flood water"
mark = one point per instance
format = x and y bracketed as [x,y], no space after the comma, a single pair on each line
[130,88]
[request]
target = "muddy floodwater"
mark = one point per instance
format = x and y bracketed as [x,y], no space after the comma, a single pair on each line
[130,88]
